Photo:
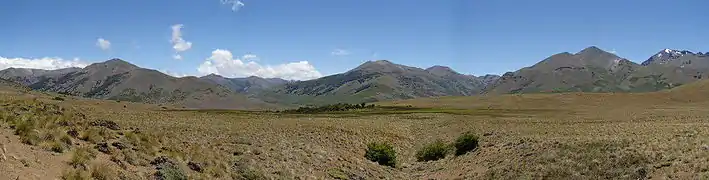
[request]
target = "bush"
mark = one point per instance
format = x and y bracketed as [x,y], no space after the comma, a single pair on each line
[434,151]
[57,147]
[103,172]
[95,134]
[75,174]
[81,157]
[171,172]
[58,98]
[382,153]
[30,138]
[24,127]
[466,142]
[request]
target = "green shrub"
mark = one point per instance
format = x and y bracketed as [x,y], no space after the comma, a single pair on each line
[382,153]
[434,151]
[170,172]
[466,142]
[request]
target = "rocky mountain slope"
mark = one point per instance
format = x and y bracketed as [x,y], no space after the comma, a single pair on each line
[589,70]
[116,79]
[248,85]
[669,68]
[379,80]
[595,70]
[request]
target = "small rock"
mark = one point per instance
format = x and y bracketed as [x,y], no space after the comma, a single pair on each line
[195,166]
[73,133]
[118,145]
[162,160]
[488,134]
[103,147]
[106,123]
[705,147]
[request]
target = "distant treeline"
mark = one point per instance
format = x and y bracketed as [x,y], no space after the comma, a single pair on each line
[330,108]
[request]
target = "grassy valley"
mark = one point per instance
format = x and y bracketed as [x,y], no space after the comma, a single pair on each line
[554,136]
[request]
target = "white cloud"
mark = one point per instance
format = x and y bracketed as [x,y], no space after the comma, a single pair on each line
[177,57]
[103,44]
[248,57]
[222,62]
[178,43]
[48,63]
[235,4]
[174,74]
[340,52]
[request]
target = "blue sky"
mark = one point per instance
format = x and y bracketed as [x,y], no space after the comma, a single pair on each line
[296,39]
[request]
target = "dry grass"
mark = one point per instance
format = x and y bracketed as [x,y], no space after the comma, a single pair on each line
[539,136]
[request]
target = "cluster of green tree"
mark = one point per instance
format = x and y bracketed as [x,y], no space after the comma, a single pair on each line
[330,108]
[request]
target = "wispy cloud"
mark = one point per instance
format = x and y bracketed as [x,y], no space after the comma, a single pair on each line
[340,52]
[179,44]
[135,44]
[248,57]
[222,62]
[103,44]
[235,4]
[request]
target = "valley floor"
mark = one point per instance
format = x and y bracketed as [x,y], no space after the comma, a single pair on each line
[542,136]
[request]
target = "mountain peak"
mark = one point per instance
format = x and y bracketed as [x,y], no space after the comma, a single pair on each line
[382,62]
[254,78]
[592,50]
[212,75]
[115,63]
[118,61]
[439,67]
[440,70]
[378,65]
[667,55]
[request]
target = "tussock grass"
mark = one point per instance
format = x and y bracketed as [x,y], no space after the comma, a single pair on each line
[602,159]
[76,174]
[103,172]
[81,157]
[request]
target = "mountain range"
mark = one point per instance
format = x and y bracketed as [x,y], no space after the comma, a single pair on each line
[589,70]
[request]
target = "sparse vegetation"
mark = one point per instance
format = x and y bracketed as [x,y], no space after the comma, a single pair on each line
[382,153]
[541,136]
[170,171]
[81,157]
[433,151]
[465,143]
[75,174]
[103,172]
[330,108]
